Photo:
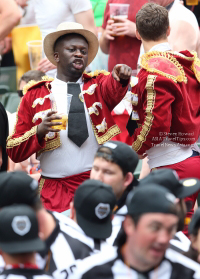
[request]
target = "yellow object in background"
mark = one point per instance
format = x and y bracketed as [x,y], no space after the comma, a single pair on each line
[192,2]
[20,36]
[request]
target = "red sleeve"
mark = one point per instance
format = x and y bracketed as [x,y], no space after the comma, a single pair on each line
[106,15]
[112,91]
[23,142]
[157,101]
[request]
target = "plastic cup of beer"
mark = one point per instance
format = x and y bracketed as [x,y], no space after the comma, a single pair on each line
[63,114]
[192,2]
[35,53]
[118,11]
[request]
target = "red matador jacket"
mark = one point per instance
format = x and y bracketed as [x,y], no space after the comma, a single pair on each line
[101,93]
[167,100]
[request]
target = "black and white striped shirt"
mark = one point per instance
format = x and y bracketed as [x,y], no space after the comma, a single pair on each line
[66,244]
[110,265]
[26,273]
[180,242]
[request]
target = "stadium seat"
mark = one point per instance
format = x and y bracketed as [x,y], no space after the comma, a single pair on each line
[8,78]
[4,89]
[12,102]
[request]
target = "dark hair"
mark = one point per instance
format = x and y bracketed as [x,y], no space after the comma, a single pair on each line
[196,229]
[32,75]
[37,205]
[28,76]
[152,22]
[192,254]
[106,154]
[61,38]
[121,237]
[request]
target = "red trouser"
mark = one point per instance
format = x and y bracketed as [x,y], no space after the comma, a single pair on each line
[186,169]
[57,193]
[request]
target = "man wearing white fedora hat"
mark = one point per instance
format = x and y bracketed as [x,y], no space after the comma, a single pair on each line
[66,156]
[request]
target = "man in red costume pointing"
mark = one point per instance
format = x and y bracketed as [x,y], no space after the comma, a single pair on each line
[168,100]
[66,156]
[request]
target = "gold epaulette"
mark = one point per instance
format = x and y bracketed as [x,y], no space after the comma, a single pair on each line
[32,83]
[196,66]
[96,73]
[165,64]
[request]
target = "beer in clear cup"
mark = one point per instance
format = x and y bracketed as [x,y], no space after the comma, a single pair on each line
[118,11]
[64,121]
[63,113]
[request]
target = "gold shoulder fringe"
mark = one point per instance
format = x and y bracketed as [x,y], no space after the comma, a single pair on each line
[97,72]
[168,56]
[196,66]
[31,83]
[182,55]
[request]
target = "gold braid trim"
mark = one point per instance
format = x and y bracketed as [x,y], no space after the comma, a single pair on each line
[112,131]
[17,141]
[97,72]
[155,54]
[41,184]
[151,95]
[182,55]
[31,83]
[194,68]
[51,145]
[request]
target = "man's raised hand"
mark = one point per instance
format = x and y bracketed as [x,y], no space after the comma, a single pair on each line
[121,71]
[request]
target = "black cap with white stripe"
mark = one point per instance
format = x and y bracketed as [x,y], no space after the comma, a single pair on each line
[169,179]
[151,199]
[121,154]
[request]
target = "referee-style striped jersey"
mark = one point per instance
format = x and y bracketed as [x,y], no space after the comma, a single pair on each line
[110,265]
[26,273]
[66,244]
[180,242]
[117,224]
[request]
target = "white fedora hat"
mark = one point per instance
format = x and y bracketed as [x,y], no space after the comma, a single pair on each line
[67,28]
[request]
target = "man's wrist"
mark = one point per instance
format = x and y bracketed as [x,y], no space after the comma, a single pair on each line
[38,133]
[133,30]
[124,82]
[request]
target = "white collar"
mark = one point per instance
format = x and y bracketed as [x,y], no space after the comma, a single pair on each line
[161,47]
[68,221]
[60,82]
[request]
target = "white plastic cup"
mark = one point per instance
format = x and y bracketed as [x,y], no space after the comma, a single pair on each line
[35,52]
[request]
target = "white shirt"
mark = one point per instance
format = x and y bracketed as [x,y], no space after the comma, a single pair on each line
[68,159]
[50,13]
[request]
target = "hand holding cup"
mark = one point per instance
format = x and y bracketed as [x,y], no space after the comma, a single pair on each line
[46,125]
